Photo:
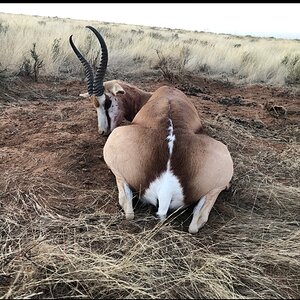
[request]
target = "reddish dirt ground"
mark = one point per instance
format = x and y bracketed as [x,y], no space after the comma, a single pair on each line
[50,144]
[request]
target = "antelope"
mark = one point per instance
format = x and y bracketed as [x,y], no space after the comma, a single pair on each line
[114,100]
[165,157]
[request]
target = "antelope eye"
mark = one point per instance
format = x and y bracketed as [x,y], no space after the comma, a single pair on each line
[107,104]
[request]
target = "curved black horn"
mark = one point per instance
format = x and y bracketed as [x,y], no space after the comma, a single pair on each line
[87,68]
[100,73]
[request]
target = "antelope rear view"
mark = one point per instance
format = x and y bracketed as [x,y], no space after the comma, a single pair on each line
[164,156]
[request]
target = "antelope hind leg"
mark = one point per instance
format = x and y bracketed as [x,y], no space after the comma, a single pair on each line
[203,208]
[125,197]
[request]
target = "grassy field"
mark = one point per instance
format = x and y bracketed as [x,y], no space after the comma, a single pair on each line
[144,49]
[62,233]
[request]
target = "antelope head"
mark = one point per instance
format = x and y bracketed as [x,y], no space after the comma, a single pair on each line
[104,99]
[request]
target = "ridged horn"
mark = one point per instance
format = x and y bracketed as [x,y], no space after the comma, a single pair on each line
[87,68]
[100,73]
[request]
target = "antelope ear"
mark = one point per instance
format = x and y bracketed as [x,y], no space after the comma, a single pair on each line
[85,95]
[115,89]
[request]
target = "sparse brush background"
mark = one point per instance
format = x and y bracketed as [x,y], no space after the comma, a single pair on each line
[139,48]
[250,247]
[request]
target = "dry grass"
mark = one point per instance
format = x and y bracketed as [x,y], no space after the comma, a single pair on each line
[134,49]
[55,246]
[248,249]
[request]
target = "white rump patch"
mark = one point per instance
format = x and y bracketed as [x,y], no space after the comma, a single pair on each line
[166,188]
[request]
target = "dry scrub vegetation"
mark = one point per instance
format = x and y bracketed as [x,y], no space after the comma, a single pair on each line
[62,232]
[139,48]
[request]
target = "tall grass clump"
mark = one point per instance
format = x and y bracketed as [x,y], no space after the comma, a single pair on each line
[134,49]
[31,66]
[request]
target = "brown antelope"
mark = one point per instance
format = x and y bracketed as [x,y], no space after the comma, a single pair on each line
[165,157]
[114,100]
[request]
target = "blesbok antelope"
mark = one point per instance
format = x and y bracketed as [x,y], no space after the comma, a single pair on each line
[165,157]
[114,100]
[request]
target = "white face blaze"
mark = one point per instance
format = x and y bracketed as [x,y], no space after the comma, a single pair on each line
[166,188]
[108,113]
[101,116]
